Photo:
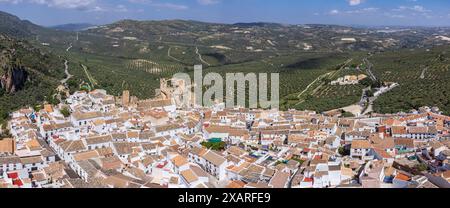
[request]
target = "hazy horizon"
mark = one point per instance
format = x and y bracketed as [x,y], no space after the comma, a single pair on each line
[368,13]
[349,25]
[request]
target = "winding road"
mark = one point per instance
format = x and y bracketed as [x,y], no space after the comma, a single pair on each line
[63,87]
[66,68]
[312,83]
[90,78]
[200,56]
[330,74]
[170,56]
[365,104]
[66,71]
[381,92]
[70,47]
[369,69]
[422,76]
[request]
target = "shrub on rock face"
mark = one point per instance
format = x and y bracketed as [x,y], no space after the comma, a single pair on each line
[66,112]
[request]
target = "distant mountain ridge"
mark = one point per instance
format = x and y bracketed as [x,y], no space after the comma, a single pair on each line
[13,26]
[73,27]
[263,36]
[253,36]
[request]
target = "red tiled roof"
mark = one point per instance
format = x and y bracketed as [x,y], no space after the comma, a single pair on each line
[382,153]
[398,130]
[17,182]
[402,177]
[413,117]
[308,179]
[162,165]
[236,184]
[13,175]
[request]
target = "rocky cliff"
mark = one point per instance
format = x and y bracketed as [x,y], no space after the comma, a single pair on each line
[13,79]
[29,75]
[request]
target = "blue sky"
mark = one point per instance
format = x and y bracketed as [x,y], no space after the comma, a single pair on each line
[343,12]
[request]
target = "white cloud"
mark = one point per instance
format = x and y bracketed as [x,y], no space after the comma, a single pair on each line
[416,8]
[159,5]
[412,11]
[11,1]
[170,6]
[355,2]
[208,2]
[97,9]
[140,1]
[369,10]
[67,4]
[334,12]
[121,8]
[363,11]
[387,14]
[83,5]
[64,4]
[416,11]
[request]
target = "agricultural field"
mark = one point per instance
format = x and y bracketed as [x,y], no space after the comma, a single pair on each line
[423,77]
[110,73]
[116,70]
[152,67]
[318,94]
[331,97]
[304,76]
[296,71]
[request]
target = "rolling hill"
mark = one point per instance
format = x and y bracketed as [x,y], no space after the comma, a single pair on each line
[15,27]
[133,55]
